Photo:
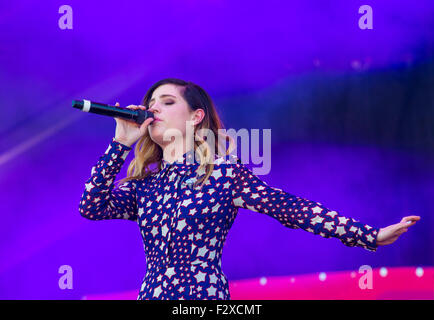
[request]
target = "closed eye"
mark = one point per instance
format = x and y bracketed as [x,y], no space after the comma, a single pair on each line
[167,102]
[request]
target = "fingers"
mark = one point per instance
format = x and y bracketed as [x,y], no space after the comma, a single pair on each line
[135,107]
[407,225]
[146,123]
[410,220]
[407,222]
[116,105]
[132,106]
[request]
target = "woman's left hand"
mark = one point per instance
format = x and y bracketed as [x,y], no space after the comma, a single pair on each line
[389,234]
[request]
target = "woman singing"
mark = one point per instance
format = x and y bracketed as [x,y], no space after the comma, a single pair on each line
[186,205]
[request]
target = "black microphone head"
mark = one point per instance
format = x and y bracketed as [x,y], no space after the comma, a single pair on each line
[78,104]
[143,115]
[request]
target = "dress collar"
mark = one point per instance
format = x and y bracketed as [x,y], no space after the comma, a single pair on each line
[187,158]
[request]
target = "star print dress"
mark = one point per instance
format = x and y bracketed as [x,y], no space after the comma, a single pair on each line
[184,227]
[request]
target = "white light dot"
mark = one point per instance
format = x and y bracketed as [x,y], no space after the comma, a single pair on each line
[353,274]
[383,272]
[322,276]
[419,272]
[292,280]
[263,281]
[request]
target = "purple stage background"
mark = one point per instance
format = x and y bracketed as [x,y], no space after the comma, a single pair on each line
[351,113]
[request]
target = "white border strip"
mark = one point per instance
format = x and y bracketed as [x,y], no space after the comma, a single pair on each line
[86,105]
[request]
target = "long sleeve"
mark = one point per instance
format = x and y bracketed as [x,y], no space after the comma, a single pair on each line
[249,192]
[100,200]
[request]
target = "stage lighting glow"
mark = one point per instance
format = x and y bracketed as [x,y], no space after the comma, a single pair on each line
[419,271]
[322,276]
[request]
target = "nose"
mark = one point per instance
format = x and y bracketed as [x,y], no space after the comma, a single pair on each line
[154,109]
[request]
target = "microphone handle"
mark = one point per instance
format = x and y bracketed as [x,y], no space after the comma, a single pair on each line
[138,116]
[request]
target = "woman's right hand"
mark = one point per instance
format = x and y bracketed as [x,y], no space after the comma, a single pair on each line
[127,131]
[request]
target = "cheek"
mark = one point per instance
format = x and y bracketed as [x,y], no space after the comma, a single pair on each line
[178,121]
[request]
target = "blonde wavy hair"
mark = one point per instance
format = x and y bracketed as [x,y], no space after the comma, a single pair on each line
[147,152]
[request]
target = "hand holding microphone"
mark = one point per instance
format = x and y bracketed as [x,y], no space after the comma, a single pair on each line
[128,131]
[132,122]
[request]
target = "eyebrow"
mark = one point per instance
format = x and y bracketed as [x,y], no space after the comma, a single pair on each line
[162,96]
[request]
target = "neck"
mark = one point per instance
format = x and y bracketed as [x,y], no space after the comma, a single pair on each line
[175,150]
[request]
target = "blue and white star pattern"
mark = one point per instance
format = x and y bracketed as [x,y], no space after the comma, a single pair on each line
[184,227]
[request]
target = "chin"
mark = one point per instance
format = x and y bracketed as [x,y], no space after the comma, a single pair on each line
[156,134]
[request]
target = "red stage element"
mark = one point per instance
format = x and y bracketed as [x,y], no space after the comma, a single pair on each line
[403,283]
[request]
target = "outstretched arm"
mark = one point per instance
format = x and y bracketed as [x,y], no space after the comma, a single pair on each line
[100,200]
[250,192]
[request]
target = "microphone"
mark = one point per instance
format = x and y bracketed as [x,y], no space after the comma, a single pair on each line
[138,116]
